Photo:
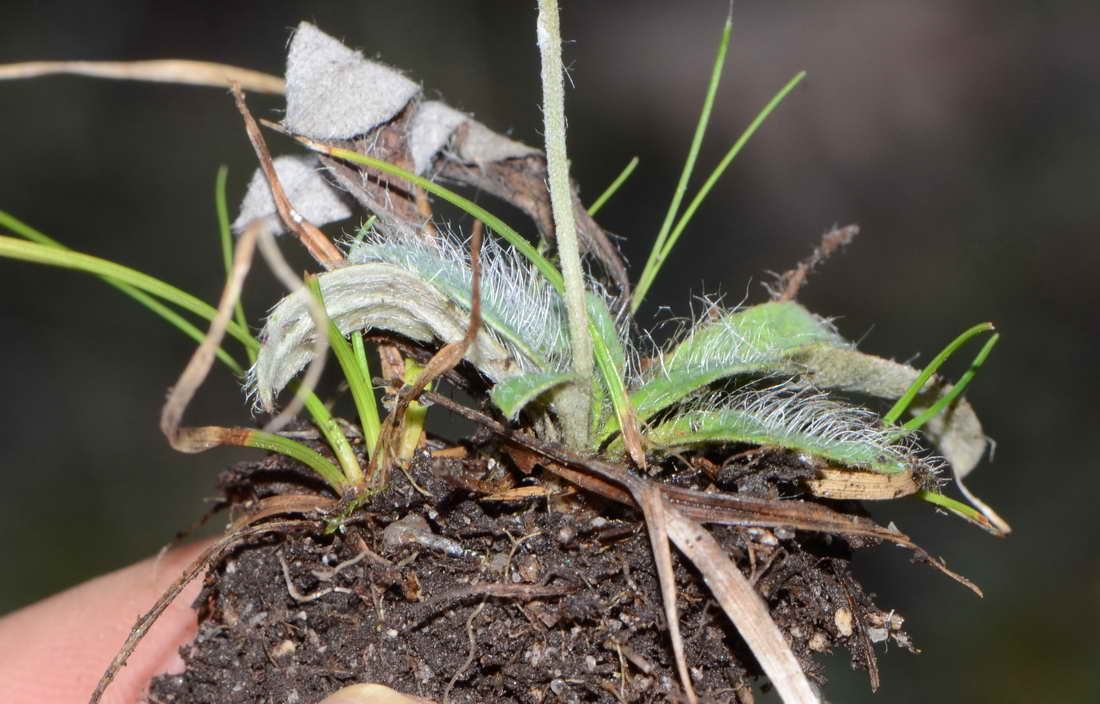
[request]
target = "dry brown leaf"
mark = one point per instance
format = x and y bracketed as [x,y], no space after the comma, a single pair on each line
[832,483]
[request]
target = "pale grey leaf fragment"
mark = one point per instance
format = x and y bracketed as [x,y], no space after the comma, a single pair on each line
[430,130]
[306,188]
[332,92]
[484,146]
[435,123]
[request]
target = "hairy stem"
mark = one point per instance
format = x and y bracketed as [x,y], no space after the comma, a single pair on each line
[561,201]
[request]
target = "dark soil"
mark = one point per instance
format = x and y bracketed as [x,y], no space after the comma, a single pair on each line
[457,598]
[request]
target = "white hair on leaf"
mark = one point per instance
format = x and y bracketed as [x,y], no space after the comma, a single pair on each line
[516,301]
[792,416]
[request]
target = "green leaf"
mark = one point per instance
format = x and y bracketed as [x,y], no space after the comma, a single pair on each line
[754,340]
[512,395]
[957,435]
[362,393]
[813,424]
[610,358]
[515,302]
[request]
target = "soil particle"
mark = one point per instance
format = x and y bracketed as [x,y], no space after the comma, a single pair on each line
[458,599]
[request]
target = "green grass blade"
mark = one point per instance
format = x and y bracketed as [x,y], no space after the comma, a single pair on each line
[362,393]
[689,212]
[170,316]
[337,441]
[906,399]
[69,259]
[653,264]
[945,400]
[226,238]
[614,187]
[296,450]
[959,509]
[371,423]
[473,209]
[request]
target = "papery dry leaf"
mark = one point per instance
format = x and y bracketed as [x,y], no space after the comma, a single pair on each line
[306,188]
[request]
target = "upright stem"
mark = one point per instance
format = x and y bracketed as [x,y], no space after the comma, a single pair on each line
[561,201]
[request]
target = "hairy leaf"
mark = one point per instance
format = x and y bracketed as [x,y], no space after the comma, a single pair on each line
[369,296]
[752,340]
[812,423]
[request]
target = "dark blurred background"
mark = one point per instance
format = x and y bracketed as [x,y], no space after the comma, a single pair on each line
[962,136]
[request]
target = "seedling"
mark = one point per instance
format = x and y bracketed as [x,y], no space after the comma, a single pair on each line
[576,389]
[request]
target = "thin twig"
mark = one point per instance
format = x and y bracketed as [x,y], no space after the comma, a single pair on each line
[323,250]
[313,240]
[193,440]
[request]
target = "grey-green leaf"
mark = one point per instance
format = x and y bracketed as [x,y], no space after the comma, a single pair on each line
[370,296]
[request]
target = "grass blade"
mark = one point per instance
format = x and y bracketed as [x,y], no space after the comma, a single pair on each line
[362,392]
[689,212]
[614,187]
[226,239]
[296,450]
[70,259]
[957,389]
[167,314]
[903,403]
[653,263]
[961,510]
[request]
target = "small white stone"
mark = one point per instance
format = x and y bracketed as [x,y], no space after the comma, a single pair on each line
[843,620]
[877,635]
